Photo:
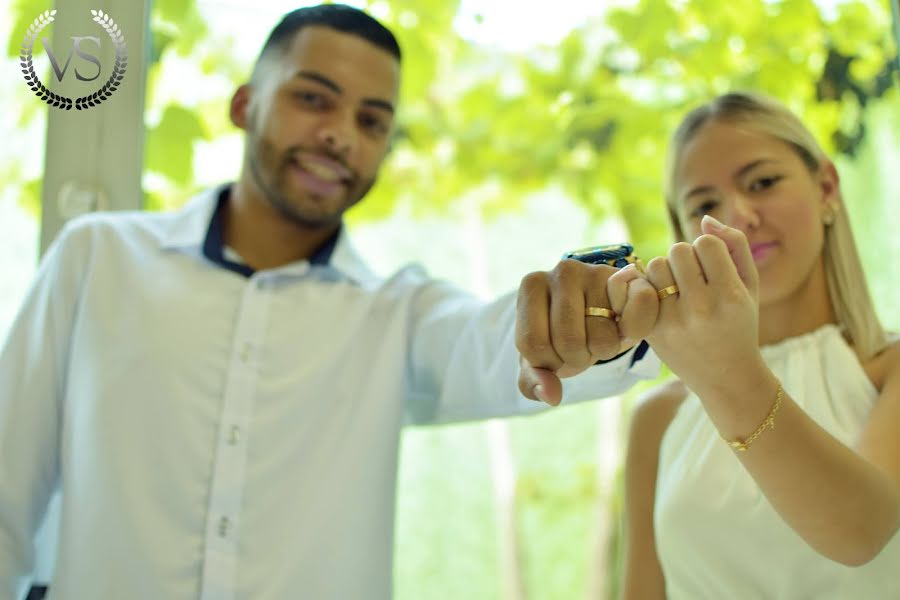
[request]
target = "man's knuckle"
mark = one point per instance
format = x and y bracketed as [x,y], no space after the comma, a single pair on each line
[533,281]
[530,342]
[602,271]
[567,270]
[606,347]
[569,343]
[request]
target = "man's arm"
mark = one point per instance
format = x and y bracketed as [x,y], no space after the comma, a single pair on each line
[33,364]
[464,363]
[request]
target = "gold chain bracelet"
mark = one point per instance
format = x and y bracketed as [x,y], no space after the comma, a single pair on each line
[768,423]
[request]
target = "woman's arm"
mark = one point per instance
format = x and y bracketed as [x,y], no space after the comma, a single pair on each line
[643,576]
[845,502]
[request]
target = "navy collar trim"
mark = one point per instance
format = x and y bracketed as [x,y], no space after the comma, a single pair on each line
[214,242]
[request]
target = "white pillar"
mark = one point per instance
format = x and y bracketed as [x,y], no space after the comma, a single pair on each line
[94,157]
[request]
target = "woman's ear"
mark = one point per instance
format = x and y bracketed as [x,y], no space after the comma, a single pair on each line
[239,110]
[830,187]
[829,183]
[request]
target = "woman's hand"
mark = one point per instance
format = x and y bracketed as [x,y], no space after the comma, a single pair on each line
[707,332]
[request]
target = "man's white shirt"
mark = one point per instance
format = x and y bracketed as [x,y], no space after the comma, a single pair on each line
[223,437]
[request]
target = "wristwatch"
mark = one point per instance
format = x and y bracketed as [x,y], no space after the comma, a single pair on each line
[614,255]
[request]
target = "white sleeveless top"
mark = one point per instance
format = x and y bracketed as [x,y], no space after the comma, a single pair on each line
[718,537]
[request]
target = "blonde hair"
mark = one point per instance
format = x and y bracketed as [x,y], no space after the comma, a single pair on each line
[847,288]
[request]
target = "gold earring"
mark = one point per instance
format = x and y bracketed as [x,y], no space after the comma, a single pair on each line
[828,215]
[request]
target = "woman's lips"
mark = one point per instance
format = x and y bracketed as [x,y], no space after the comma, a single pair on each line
[762,251]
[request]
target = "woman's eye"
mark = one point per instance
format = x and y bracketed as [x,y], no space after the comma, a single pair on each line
[764,183]
[705,207]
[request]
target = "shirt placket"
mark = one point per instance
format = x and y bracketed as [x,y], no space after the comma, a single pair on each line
[223,522]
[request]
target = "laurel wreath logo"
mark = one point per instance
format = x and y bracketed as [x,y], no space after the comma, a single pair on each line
[58,100]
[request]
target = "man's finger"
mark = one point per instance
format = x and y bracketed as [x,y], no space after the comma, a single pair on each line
[602,331]
[539,384]
[568,329]
[533,324]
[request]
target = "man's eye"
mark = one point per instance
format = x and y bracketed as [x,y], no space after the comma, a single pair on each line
[373,124]
[311,99]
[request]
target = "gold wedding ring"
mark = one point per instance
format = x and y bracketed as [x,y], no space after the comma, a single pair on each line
[667,291]
[596,311]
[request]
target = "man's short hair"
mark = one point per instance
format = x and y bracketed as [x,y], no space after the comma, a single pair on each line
[340,17]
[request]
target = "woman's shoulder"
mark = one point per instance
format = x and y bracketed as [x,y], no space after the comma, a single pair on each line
[656,408]
[885,362]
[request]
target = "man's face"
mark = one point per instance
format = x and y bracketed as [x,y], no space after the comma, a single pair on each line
[318,124]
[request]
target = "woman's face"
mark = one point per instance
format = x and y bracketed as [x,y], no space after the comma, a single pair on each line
[758,184]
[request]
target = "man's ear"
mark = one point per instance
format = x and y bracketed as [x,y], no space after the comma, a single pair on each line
[239,111]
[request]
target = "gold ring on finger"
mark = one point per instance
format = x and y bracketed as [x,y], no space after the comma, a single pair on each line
[596,311]
[667,291]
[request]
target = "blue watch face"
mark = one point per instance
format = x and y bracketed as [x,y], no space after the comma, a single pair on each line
[614,255]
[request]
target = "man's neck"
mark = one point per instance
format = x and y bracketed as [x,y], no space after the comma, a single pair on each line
[261,236]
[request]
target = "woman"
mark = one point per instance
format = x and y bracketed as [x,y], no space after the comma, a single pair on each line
[772,468]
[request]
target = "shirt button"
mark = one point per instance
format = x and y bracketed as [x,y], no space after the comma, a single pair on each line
[224,525]
[245,352]
[234,436]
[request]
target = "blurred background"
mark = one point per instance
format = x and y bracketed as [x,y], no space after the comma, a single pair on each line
[526,129]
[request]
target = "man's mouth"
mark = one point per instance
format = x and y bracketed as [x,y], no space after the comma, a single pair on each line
[322,167]
[320,175]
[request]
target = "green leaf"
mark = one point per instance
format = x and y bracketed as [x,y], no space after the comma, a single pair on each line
[170,145]
[174,11]
[23,12]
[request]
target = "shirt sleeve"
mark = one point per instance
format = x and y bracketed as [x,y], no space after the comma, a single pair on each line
[464,364]
[33,363]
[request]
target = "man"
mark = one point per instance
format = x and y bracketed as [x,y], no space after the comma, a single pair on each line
[218,392]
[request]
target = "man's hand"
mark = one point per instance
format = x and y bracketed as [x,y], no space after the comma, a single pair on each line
[555,337]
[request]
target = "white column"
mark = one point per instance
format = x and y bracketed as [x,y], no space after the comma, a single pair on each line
[94,157]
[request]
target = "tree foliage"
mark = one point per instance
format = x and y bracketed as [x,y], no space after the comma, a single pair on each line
[589,115]
[587,118]
[592,114]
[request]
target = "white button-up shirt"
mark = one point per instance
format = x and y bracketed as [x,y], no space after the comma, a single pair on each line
[222,437]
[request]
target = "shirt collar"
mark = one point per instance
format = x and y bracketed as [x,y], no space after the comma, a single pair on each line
[198,226]
[190,224]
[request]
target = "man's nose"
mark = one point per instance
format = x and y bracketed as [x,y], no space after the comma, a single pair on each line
[338,134]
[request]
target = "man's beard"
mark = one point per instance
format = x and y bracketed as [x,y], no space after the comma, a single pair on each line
[270,173]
